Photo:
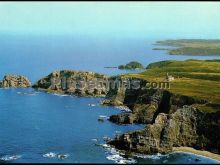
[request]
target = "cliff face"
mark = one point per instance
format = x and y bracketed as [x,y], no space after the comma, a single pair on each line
[74,82]
[185,127]
[15,81]
[146,104]
[172,121]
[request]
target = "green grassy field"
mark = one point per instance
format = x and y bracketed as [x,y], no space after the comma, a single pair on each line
[196,78]
[192,47]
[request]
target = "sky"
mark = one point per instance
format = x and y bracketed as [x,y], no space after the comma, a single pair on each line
[199,19]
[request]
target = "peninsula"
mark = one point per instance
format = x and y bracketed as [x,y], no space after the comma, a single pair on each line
[193,47]
[185,115]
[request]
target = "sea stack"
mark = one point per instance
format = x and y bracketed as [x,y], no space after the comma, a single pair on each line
[15,81]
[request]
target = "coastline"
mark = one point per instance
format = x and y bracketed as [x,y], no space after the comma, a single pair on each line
[197,152]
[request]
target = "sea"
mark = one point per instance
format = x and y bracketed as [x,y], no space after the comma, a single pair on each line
[38,127]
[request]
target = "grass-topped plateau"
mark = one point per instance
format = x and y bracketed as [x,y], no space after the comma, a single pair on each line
[196,78]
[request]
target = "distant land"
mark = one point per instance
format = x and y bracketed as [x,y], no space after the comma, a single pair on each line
[194,47]
[111,67]
[131,65]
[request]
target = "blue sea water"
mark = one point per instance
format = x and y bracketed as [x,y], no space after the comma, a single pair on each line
[36,123]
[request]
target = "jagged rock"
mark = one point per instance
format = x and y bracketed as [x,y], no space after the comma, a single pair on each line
[74,82]
[171,119]
[14,81]
[146,104]
[123,118]
[185,127]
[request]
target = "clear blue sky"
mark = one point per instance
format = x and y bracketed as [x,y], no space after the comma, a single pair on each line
[109,18]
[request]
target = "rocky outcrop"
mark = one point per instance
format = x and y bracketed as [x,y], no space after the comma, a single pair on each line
[145,103]
[14,81]
[74,82]
[185,127]
[172,121]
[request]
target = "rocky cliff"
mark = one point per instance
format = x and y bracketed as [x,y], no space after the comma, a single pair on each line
[185,127]
[15,81]
[145,103]
[74,82]
[172,121]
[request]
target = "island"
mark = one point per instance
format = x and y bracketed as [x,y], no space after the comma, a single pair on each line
[195,47]
[15,81]
[131,65]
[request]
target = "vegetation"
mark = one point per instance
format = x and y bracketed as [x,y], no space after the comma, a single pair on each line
[131,65]
[192,47]
[196,78]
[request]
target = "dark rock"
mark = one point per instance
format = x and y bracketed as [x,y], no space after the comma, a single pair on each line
[123,118]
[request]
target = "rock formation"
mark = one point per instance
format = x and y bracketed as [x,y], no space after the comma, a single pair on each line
[74,82]
[171,119]
[14,81]
[185,127]
[145,103]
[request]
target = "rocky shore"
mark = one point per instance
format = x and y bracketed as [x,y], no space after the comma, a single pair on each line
[185,127]
[171,119]
[15,81]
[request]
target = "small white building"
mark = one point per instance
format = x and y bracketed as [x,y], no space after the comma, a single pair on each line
[169,77]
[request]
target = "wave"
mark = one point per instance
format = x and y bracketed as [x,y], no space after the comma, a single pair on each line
[10,157]
[123,108]
[116,156]
[92,105]
[154,156]
[61,95]
[54,155]
[50,155]
[94,140]
[119,157]
[27,93]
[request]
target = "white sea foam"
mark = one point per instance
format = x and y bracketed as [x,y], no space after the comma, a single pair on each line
[92,105]
[10,157]
[116,156]
[95,140]
[123,108]
[105,145]
[103,116]
[53,155]
[154,156]
[50,155]
[27,93]
[60,95]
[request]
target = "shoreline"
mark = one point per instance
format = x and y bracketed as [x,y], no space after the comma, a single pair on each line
[197,152]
